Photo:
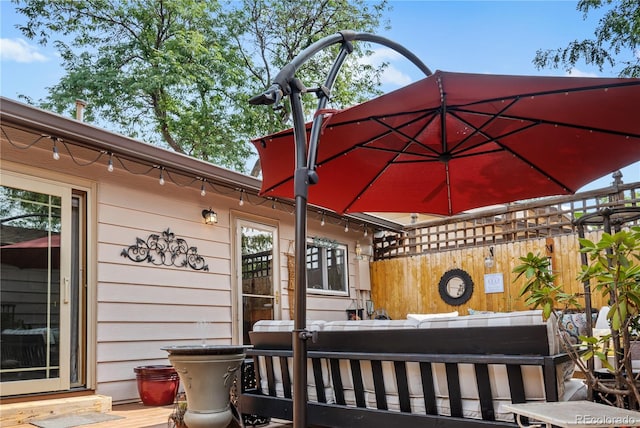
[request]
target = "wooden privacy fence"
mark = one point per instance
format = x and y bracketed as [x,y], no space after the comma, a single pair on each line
[407,267]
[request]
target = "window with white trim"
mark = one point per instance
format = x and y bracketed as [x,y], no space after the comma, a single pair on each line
[327,267]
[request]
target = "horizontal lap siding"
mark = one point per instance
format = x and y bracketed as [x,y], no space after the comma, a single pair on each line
[189,294]
[143,307]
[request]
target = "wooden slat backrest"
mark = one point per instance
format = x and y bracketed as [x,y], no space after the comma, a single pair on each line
[509,340]
[361,355]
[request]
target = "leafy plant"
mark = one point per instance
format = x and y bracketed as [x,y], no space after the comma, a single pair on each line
[176,418]
[540,287]
[613,270]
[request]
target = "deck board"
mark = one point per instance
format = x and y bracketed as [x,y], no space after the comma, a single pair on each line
[136,415]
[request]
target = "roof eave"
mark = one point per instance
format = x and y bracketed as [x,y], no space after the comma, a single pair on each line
[81,133]
[45,122]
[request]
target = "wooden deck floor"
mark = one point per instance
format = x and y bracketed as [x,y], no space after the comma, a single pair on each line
[139,416]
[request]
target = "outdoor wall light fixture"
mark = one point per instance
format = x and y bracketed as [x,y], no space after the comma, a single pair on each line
[210,216]
[358,251]
[370,307]
[549,250]
[488,261]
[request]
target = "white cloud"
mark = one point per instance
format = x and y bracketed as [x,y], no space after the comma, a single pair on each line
[19,50]
[574,72]
[392,75]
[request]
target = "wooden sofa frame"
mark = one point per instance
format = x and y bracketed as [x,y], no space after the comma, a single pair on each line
[513,346]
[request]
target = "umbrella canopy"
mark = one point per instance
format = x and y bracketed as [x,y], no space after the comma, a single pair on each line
[454,141]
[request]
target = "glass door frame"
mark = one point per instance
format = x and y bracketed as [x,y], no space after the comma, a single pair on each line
[61,382]
[238,221]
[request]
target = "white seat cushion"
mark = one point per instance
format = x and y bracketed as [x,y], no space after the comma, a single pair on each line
[422,317]
[370,325]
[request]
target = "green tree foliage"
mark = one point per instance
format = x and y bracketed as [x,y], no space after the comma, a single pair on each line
[270,35]
[616,41]
[178,73]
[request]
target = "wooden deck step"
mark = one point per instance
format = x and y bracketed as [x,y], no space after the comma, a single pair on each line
[15,414]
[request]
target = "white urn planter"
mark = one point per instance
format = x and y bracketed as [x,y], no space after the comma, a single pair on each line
[207,373]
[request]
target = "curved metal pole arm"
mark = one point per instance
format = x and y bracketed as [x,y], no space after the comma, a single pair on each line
[316,127]
[281,83]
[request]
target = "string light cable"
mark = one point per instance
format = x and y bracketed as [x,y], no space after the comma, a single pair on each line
[115,161]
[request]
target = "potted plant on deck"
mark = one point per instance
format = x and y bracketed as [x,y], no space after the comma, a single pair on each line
[176,418]
[614,271]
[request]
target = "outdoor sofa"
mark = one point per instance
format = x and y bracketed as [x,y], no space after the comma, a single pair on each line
[444,372]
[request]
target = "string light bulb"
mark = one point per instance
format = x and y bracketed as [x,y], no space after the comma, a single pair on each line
[346,226]
[161,180]
[322,219]
[273,204]
[56,155]
[366,232]
[110,163]
[202,190]
[241,201]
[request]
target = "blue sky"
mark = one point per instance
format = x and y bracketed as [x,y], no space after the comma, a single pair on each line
[498,37]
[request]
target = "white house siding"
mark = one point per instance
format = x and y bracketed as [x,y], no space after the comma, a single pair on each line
[143,307]
[139,307]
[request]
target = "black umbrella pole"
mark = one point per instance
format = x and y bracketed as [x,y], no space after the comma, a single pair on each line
[300,334]
[299,338]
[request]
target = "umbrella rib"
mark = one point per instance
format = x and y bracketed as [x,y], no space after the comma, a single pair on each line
[478,130]
[423,114]
[459,156]
[443,123]
[538,121]
[369,184]
[381,171]
[390,130]
[407,136]
[515,154]
[554,91]
[489,138]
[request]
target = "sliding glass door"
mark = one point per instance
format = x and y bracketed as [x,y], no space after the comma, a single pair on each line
[35,285]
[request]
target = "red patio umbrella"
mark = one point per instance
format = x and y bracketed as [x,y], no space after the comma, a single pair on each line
[456,141]
[448,143]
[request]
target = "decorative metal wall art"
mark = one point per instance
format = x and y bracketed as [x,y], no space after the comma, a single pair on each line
[165,250]
[324,242]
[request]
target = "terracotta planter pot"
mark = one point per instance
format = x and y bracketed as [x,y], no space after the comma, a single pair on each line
[157,385]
